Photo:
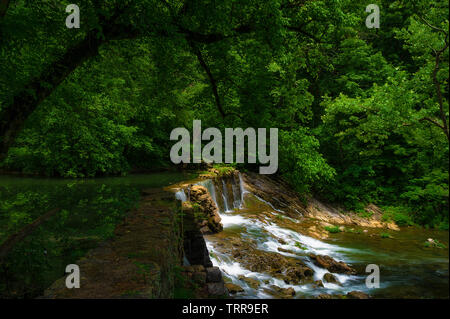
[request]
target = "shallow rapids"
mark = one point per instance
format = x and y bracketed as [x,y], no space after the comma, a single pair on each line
[266,235]
[249,221]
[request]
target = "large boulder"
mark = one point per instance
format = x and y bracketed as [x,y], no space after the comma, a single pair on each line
[280,292]
[213,274]
[332,265]
[205,210]
[233,288]
[330,278]
[289,269]
[217,289]
[318,284]
[295,275]
[253,283]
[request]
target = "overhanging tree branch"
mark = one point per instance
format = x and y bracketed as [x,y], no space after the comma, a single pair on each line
[437,84]
[211,79]
[13,116]
[434,122]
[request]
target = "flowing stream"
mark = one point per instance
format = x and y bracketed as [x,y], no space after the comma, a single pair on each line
[407,268]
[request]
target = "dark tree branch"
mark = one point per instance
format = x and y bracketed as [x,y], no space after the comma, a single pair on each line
[437,55]
[434,122]
[212,81]
[432,26]
[4,4]
[205,67]
[213,37]
[301,31]
[13,116]
[437,84]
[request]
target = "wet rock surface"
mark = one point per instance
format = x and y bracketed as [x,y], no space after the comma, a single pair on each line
[357,295]
[282,197]
[330,278]
[203,207]
[337,216]
[289,269]
[205,282]
[332,265]
[233,288]
[290,266]
[275,191]
[250,281]
[282,293]
[349,295]
[318,284]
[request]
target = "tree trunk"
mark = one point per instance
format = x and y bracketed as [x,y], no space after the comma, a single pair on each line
[13,116]
[4,4]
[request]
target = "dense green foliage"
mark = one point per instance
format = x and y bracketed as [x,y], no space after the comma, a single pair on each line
[362,113]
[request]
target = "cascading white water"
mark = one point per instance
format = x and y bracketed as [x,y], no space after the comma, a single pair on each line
[294,245]
[267,229]
[181,195]
[238,191]
[236,196]
[209,185]
[232,269]
[242,190]
[294,242]
[225,196]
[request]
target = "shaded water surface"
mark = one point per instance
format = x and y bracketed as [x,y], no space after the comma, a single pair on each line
[90,210]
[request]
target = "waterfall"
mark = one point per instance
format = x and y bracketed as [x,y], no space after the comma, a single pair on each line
[237,196]
[229,190]
[225,196]
[181,195]
[209,185]
[232,191]
[238,188]
[242,190]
